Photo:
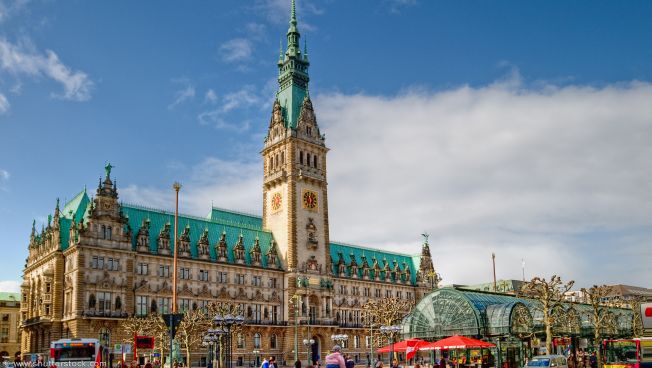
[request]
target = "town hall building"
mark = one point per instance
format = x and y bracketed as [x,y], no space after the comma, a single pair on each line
[99,261]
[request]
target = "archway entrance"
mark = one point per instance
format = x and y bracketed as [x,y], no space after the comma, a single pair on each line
[316,348]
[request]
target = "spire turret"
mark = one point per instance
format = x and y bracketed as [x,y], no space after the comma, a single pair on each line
[293,73]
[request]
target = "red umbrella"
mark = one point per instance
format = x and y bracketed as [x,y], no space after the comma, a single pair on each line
[402,346]
[457,342]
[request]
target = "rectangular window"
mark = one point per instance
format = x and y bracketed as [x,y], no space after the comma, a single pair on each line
[164,271]
[399,294]
[378,294]
[409,294]
[240,279]
[184,273]
[113,264]
[142,305]
[163,305]
[256,280]
[223,277]
[142,269]
[184,305]
[367,291]
[272,282]
[203,275]
[103,301]
[97,262]
[388,293]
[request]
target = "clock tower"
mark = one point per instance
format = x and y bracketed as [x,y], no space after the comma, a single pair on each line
[295,204]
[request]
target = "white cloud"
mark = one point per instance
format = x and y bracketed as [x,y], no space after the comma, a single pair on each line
[278,11]
[556,175]
[10,286]
[395,6]
[23,60]
[183,95]
[237,49]
[4,104]
[244,98]
[210,97]
[4,175]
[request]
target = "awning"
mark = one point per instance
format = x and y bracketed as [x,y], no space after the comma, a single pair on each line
[401,347]
[457,342]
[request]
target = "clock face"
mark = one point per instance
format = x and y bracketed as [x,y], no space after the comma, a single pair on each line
[309,199]
[277,200]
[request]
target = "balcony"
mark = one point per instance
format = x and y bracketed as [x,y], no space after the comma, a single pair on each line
[265,322]
[35,320]
[104,314]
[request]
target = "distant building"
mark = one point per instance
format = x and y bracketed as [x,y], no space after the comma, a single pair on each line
[511,287]
[575,296]
[625,293]
[9,330]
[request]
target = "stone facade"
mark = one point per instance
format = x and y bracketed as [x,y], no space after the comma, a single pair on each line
[9,325]
[99,261]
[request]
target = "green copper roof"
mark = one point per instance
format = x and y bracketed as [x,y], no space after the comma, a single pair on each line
[226,222]
[293,75]
[76,207]
[9,297]
[224,215]
[346,250]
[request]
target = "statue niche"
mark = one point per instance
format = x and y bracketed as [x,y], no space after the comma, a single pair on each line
[312,241]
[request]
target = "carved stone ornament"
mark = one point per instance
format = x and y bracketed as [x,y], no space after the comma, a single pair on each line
[312,242]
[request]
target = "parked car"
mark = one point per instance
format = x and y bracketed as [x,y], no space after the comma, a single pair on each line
[556,361]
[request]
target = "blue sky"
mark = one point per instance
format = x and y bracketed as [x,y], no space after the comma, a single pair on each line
[182,90]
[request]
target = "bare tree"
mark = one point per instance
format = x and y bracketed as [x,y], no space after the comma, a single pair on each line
[161,333]
[386,311]
[191,330]
[224,308]
[136,326]
[601,319]
[549,294]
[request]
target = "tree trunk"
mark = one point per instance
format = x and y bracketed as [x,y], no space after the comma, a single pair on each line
[548,323]
[188,360]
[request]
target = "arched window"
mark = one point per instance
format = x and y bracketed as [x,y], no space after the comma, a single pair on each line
[91,301]
[301,157]
[308,159]
[356,342]
[314,161]
[282,157]
[103,232]
[256,340]
[272,342]
[241,341]
[108,232]
[276,160]
[118,303]
[153,308]
[309,131]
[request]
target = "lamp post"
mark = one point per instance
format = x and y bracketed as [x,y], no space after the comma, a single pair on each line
[295,302]
[308,343]
[227,322]
[212,339]
[172,318]
[256,353]
[340,339]
[390,331]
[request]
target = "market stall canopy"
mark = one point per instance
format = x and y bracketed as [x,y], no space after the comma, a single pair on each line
[457,342]
[402,346]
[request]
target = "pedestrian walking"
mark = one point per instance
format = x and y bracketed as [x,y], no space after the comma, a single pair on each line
[265,363]
[349,361]
[593,360]
[335,358]
[297,364]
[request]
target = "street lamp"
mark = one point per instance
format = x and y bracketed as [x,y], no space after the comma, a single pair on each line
[390,331]
[308,343]
[256,353]
[211,340]
[295,300]
[227,322]
[340,339]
